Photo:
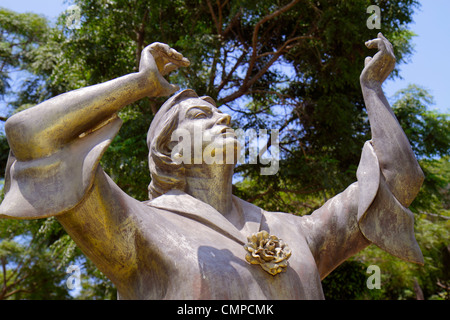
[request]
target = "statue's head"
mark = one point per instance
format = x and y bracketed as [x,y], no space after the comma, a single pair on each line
[185,129]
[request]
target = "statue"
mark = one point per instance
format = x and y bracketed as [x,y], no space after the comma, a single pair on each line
[194,239]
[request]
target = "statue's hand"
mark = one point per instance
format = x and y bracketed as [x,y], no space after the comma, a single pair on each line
[157,60]
[378,68]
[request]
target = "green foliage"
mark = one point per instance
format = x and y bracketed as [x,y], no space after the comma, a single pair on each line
[20,34]
[428,131]
[351,275]
[29,268]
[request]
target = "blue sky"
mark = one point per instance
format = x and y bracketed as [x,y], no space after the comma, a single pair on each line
[429,66]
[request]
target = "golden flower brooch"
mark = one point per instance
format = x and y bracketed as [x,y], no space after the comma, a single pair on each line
[268,251]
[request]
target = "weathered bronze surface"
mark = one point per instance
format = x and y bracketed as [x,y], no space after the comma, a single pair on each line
[189,240]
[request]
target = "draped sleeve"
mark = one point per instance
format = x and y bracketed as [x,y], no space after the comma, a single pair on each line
[364,213]
[382,219]
[52,185]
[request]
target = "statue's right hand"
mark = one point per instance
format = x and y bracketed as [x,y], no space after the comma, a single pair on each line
[157,60]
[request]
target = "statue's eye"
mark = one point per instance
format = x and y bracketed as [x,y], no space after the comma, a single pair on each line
[200,115]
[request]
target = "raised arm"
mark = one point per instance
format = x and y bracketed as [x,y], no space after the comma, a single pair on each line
[56,146]
[396,159]
[374,209]
[40,131]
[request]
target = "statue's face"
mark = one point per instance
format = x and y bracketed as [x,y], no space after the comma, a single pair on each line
[209,127]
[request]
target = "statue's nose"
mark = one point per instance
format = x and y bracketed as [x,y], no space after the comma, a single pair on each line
[224,119]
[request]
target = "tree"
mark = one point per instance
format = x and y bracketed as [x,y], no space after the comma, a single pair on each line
[20,34]
[28,269]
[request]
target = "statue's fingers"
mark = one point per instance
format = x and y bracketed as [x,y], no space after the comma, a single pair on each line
[387,44]
[159,46]
[167,56]
[177,58]
[169,52]
[381,36]
[184,62]
[169,67]
[374,43]
[367,60]
[174,54]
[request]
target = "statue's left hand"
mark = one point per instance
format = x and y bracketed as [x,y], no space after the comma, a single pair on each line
[157,60]
[378,68]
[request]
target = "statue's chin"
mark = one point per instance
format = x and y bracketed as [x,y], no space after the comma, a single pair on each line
[220,151]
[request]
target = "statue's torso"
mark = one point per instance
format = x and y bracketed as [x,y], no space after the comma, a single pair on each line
[187,259]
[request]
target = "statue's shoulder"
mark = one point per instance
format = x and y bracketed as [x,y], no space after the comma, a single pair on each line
[270,219]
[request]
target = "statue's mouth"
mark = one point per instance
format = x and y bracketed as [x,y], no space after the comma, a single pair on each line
[227,132]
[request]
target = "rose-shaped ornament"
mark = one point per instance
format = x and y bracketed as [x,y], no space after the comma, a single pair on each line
[268,251]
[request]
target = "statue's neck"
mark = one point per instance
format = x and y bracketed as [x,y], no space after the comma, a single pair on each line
[212,184]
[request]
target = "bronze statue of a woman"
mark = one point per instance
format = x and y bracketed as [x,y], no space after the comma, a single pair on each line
[194,239]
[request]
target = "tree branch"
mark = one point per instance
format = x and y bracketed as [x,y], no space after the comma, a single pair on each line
[219,30]
[226,79]
[280,95]
[248,83]
[256,30]
[435,215]
[213,15]
[3,297]
[232,23]
[4,275]
[140,36]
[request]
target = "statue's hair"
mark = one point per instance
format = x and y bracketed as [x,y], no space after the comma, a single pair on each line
[165,173]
